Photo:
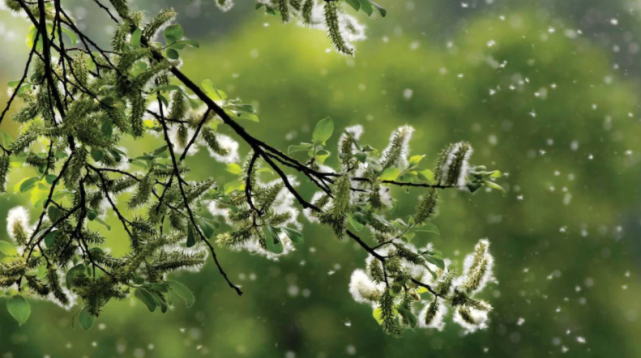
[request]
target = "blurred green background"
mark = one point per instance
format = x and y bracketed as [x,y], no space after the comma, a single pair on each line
[546,91]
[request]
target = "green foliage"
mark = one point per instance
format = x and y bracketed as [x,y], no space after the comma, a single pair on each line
[74,122]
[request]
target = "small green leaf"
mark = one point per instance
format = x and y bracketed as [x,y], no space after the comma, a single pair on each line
[380,9]
[366,6]
[72,35]
[100,221]
[213,92]
[496,174]
[19,308]
[7,248]
[356,4]
[378,315]
[173,33]
[172,54]
[207,229]
[390,174]
[28,184]
[232,186]
[146,297]
[408,317]
[293,235]
[426,175]
[76,271]
[303,147]
[54,213]
[135,38]
[272,242]
[323,131]
[321,156]
[431,228]
[495,186]
[355,223]
[182,291]
[436,261]
[191,238]
[415,160]
[234,169]
[86,319]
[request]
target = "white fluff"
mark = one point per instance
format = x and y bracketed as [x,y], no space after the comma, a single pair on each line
[362,288]
[17,216]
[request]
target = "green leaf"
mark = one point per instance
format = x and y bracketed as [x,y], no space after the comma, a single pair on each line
[366,6]
[179,45]
[207,229]
[232,186]
[355,223]
[72,35]
[323,131]
[50,238]
[182,291]
[172,54]
[378,315]
[191,238]
[7,248]
[356,4]
[303,147]
[86,319]
[76,271]
[495,186]
[28,184]
[408,317]
[380,9]
[496,174]
[431,228]
[173,33]
[54,213]
[426,175]
[50,178]
[390,174]
[234,169]
[242,115]
[272,242]
[146,297]
[97,154]
[436,260]
[321,156]
[415,160]
[19,308]
[135,38]
[212,92]
[100,221]
[293,235]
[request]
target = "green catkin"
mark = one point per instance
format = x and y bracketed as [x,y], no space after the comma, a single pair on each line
[143,193]
[390,324]
[336,215]
[333,28]
[121,7]
[137,111]
[182,135]
[296,4]
[308,7]
[178,106]
[426,208]
[432,310]
[212,142]
[4,172]
[76,165]
[455,168]
[283,7]
[157,22]
[54,284]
